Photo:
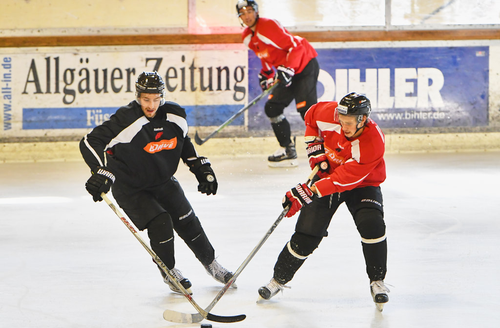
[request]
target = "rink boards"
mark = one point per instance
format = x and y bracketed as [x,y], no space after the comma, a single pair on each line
[57,92]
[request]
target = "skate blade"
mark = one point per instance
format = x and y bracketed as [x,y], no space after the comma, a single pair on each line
[261,300]
[284,163]
[380,306]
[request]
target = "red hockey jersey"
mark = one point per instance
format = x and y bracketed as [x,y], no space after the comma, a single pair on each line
[354,163]
[275,46]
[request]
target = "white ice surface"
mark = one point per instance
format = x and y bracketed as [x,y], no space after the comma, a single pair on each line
[68,262]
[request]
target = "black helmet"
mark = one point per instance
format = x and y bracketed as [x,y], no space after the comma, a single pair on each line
[354,104]
[149,82]
[246,3]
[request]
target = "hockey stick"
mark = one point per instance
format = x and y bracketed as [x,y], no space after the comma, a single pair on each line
[179,317]
[200,141]
[202,313]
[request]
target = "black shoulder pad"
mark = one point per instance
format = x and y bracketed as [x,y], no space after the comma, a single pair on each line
[174,108]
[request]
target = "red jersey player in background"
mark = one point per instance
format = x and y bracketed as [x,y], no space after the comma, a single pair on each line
[349,149]
[296,68]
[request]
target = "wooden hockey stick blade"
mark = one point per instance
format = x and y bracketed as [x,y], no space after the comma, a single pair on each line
[179,317]
[200,141]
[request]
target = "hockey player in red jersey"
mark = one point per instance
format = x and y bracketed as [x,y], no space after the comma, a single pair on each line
[137,151]
[349,148]
[296,68]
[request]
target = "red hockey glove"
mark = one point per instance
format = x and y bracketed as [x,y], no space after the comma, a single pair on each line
[99,182]
[297,197]
[285,75]
[266,79]
[204,174]
[317,156]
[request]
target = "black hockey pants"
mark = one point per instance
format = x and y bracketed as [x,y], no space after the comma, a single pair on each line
[161,210]
[366,206]
[302,90]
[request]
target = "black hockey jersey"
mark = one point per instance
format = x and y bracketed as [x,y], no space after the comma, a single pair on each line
[140,152]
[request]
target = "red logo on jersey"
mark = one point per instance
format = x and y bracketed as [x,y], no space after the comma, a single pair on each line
[154,147]
[158,135]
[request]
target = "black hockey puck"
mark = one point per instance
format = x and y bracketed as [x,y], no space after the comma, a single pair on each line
[206,325]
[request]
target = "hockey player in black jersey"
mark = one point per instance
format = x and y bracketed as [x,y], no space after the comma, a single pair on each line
[137,152]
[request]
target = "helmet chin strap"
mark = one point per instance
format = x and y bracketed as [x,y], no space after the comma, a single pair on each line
[357,129]
[256,20]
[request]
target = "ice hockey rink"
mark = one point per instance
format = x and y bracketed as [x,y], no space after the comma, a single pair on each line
[66,261]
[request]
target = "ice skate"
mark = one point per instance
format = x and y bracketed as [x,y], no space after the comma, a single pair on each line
[284,157]
[379,293]
[271,289]
[180,278]
[219,273]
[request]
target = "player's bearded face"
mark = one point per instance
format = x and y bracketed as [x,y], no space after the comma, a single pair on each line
[150,103]
[248,16]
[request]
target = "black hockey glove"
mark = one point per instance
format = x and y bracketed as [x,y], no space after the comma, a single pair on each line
[99,182]
[266,79]
[204,174]
[285,75]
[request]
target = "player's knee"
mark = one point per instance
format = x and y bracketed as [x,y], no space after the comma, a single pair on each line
[189,230]
[160,229]
[277,119]
[302,245]
[273,111]
[370,224]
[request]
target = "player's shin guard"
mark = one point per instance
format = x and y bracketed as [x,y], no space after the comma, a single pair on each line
[196,239]
[282,131]
[287,265]
[371,226]
[286,155]
[293,256]
[376,260]
[161,237]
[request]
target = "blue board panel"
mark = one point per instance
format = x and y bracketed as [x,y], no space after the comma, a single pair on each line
[409,87]
[89,117]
